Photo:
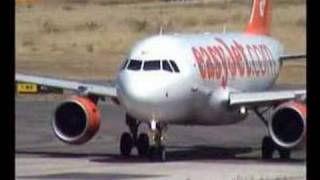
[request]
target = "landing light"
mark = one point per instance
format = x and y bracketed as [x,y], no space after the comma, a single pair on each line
[153,125]
[243,110]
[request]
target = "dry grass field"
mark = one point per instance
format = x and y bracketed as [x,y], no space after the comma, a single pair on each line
[87,39]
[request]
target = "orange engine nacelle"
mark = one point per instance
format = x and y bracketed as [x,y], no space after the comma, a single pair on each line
[288,124]
[76,120]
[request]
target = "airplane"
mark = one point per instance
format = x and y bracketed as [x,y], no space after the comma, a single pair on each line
[209,79]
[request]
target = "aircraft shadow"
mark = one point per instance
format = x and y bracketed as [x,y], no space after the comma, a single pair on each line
[201,152]
[62,154]
[174,154]
[96,176]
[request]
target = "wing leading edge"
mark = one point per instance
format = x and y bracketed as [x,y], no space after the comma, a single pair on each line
[293,56]
[84,88]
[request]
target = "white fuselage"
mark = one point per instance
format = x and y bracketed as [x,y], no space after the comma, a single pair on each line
[210,67]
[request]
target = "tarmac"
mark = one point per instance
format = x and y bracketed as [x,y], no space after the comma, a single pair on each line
[193,152]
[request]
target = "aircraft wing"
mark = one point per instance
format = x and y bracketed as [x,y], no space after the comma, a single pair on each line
[84,88]
[263,98]
[292,56]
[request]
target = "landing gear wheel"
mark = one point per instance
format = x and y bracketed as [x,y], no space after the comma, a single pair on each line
[268,148]
[143,144]
[157,153]
[284,154]
[126,144]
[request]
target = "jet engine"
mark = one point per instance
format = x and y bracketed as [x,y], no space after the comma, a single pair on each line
[288,124]
[76,120]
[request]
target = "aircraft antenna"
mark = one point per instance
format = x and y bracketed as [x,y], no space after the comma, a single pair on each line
[161,30]
[226,5]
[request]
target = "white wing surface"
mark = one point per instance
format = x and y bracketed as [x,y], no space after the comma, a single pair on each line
[84,88]
[265,97]
[293,56]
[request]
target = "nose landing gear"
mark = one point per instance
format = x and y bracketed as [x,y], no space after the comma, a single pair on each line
[143,145]
[131,140]
[157,149]
[126,144]
[153,149]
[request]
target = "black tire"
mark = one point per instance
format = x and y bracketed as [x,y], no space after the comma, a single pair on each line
[126,143]
[152,150]
[284,154]
[162,153]
[143,145]
[157,153]
[267,148]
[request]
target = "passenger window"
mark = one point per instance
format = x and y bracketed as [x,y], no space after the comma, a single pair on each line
[166,66]
[151,65]
[174,65]
[134,65]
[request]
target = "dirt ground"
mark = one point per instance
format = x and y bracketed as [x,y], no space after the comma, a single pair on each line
[87,39]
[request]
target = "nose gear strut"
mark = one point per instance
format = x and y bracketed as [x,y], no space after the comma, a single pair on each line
[157,148]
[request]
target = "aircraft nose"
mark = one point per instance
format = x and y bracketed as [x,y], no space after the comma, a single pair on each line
[136,89]
[141,95]
[153,95]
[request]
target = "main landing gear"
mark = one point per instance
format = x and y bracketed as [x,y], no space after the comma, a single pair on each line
[269,147]
[153,149]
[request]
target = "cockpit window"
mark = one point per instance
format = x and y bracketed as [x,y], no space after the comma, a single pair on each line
[166,66]
[174,66]
[151,65]
[124,65]
[134,65]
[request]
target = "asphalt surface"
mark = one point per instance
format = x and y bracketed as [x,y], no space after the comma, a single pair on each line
[193,152]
